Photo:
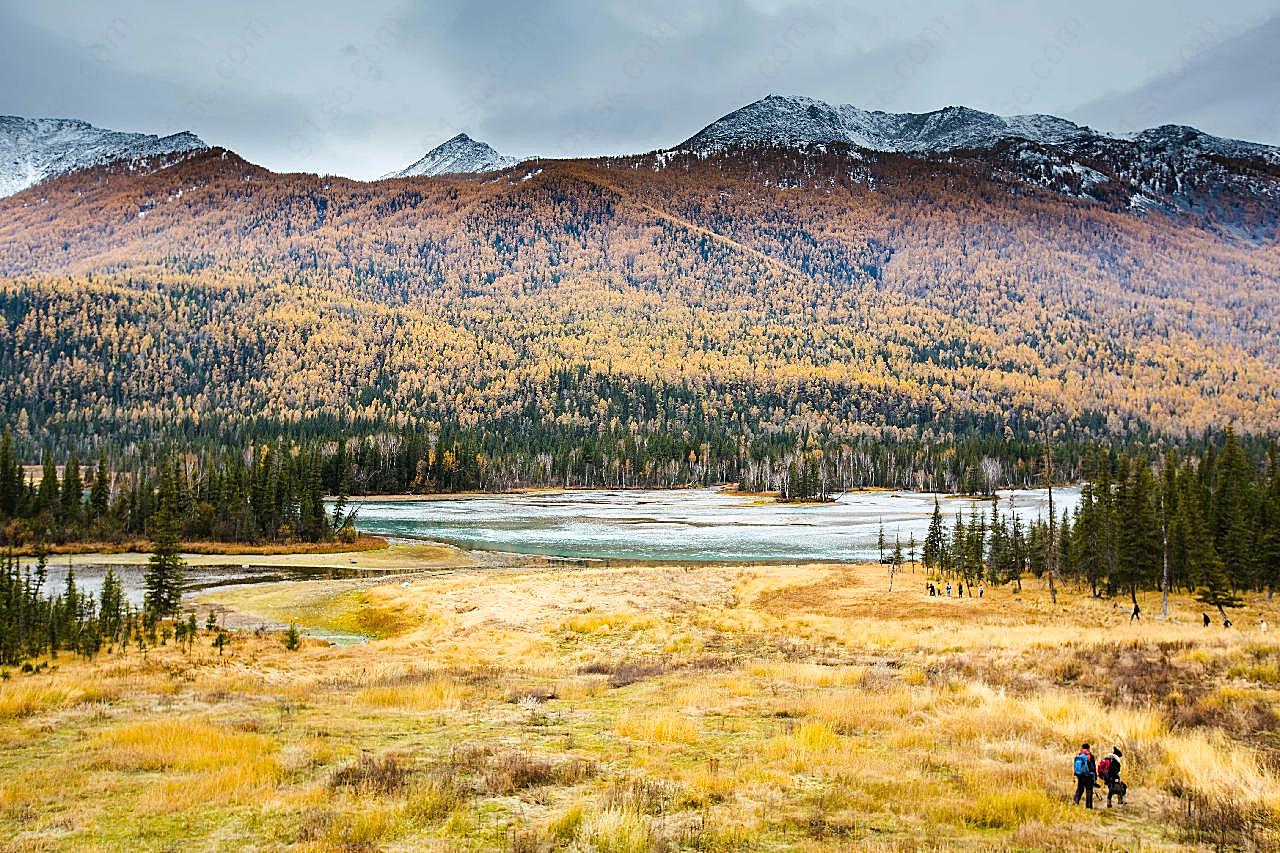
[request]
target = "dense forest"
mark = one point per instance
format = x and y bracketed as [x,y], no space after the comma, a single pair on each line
[780,297]
[1208,524]
[269,493]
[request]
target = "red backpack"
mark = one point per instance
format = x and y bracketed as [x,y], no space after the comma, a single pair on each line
[1104,766]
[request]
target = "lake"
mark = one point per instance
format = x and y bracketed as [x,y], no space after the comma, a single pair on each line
[684,524]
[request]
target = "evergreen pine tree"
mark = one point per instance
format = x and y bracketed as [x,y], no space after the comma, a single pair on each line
[1204,565]
[10,476]
[1234,514]
[292,639]
[165,568]
[111,605]
[934,541]
[72,494]
[100,491]
[47,495]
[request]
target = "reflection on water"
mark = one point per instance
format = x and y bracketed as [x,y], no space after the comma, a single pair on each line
[692,524]
[203,578]
[199,578]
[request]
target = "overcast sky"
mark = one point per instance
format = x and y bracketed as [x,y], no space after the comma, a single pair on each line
[369,87]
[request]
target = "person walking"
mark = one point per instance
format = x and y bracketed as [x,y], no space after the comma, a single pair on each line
[1207,620]
[1086,772]
[1136,615]
[960,589]
[1109,772]
[981,590]
[948,589]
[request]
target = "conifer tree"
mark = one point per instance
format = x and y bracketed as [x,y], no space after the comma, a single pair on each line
[165,569]
[934,542]
[10,476]
[72,494]
[1204,564]
[111,605]
[100,491]
[47,496]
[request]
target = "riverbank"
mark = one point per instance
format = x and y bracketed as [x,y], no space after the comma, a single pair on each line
[390,556]
[724,488]
[364,542]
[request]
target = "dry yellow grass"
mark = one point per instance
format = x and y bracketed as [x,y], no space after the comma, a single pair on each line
[658,727]
[175,744]
[433,695]
[653,708]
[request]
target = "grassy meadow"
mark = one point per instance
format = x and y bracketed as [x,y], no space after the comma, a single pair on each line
[654,708]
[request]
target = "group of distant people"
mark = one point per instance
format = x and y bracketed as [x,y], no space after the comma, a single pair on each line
[935,590]
[1089,773]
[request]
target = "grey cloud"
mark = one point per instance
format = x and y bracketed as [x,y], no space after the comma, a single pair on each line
[1229,89]
[605,78]
[48,75]
[362,90]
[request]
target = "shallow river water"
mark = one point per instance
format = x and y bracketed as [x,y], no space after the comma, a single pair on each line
[685,525]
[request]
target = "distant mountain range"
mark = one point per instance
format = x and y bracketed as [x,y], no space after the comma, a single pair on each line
[1156,167]
[798,121]
[794,269]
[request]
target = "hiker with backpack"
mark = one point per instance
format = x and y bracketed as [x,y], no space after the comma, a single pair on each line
[1086,772]
[1109,772]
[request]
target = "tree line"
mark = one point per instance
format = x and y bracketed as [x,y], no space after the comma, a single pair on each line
[1206,523]
[272,493]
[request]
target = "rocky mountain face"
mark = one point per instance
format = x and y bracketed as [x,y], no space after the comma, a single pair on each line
[1178,170]
[782,120]
[34,150]
[460,155]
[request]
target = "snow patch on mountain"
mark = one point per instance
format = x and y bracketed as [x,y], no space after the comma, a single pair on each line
[460,155]
[1175,169]
[779,120]
[34,150]
[791,121]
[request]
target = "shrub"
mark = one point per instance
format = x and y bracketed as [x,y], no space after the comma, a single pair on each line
[371,774]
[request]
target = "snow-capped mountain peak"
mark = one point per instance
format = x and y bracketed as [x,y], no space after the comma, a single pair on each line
[460,155]
[1175,169]
[797,120]
[32,150]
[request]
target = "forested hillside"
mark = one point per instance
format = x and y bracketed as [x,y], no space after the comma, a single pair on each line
[626,320]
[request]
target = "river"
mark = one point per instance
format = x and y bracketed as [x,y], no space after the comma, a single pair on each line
[685,524]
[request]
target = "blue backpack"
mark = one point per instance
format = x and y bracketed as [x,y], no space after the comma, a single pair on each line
[1082,764]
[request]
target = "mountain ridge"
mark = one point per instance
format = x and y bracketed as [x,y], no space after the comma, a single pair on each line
[35,150]
[802,120]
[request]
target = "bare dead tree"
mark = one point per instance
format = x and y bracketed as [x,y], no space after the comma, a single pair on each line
[1051,553]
